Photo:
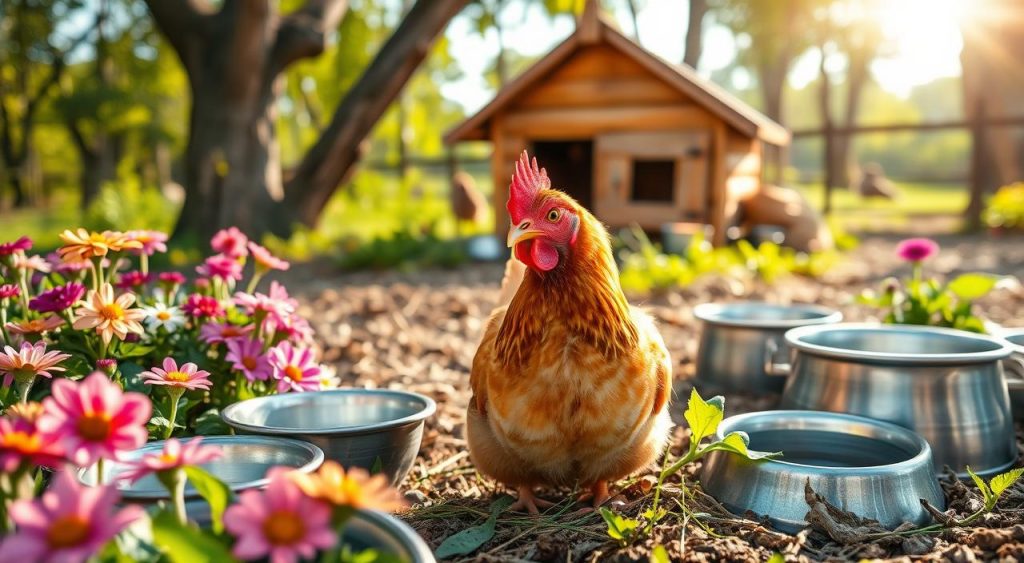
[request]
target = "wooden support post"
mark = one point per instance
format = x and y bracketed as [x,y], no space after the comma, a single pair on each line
[976,182]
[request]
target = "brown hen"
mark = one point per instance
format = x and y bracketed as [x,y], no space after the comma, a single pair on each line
[570,384]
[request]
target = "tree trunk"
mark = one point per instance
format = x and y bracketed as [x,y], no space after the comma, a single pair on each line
[234,58]
[695,32]
[773,81]
[856,78]
[634,14]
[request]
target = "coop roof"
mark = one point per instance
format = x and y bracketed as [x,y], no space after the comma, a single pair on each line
[594,28]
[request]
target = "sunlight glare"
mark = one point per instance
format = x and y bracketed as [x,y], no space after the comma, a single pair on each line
[925,35]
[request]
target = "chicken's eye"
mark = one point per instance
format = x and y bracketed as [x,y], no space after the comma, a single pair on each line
[553,215]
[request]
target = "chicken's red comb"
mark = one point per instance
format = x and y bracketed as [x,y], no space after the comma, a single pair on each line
[526,182]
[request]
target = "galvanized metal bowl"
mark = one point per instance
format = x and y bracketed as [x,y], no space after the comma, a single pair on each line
[946,385]
[739,339]
[871,468]
[1014,368]
[243,465]
[387,534]
[376,429]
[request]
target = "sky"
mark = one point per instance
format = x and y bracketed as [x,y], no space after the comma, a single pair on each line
[924,35]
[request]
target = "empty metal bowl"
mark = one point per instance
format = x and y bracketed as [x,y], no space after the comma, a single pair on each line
[739,339]
[387,534]
[946,385]
[376,429]
[243,465]
[1014,369]
[872,468]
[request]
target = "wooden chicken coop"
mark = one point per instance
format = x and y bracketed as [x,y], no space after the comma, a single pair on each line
[631,136]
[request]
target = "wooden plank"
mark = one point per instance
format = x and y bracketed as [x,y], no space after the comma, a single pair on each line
[585,122]
[717,190]
[598,61]
[1003,121]
[500,172]
[600,91]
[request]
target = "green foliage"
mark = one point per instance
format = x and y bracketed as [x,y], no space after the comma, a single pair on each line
[214,491]
[646,268]
[918,301]
[405,250]
[991,491]
[1006,208]
[126,205]
[659,554]
[469,540]
[623,530]
[182,543]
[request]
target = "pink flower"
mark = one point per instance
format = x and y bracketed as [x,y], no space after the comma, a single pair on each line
[8,291]
[171,278]
[174,455]
[917,249]
[34,263]
[152,241]
[20,245]
[21,442]
[94,418]
[132,280]
[70,523]
[30,361]
[265,260]
[64,268]
[221,266]
[294,368]
[58,298]
[213,333]
[107,366]
[248,357]
[188,376]
[276,302]
[230,242]
[279,523]
[202,306]
[292,327]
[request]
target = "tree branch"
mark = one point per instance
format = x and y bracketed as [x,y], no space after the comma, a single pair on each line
[303,33]
[181,21]
[330,159]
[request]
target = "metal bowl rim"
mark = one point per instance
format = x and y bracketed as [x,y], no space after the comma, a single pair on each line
[1009,333]
[316,461]
[923,457]
[794,337]
[400,532]
[709,313]
[429,408]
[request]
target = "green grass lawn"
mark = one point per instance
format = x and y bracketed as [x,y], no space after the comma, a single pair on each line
[915,199]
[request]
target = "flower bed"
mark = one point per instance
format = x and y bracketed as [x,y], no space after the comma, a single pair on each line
[101,355]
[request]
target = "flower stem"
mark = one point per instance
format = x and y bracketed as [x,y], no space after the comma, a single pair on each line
[179,500]
[175,394]
[99,472]
[3,324]
[144,263]
[254,281]
[24,386]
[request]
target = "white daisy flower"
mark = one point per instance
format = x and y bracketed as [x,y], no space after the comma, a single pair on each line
[160,315]
[329,377]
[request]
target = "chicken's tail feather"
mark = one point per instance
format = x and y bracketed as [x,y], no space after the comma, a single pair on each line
[514,271]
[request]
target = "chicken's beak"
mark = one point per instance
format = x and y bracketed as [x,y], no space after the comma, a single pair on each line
[522,232]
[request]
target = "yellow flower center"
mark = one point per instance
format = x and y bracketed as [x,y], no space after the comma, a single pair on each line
[178,376]
[67,531]
[168,458]
[94,427]
[112,312]
[163,315]
[249,362]
[22,442]
[283,527]
[293,373]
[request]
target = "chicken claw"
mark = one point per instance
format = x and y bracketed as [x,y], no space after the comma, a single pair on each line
[528,501]
[598,495]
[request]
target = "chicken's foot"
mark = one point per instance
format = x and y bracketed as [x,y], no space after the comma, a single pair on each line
[528,501]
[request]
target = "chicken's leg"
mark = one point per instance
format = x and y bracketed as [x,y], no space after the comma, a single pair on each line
[528,501]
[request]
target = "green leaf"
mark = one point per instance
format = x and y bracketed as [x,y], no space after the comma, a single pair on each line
[986,492]
[130,376]
[1003,481]
[659,555]
[619,528]
[211,424]
[736,442]
[217,494]
[378,466]
[184,544]
[776,558]
[973,286]
[702,416]
[469,540]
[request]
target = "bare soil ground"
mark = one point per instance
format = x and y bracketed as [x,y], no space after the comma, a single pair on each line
[419,331]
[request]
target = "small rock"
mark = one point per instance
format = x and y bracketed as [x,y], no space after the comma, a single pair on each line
[416,497]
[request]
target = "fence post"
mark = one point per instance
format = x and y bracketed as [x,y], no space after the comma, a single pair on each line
[976,181]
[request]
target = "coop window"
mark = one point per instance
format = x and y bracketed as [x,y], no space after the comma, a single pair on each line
[653,180]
